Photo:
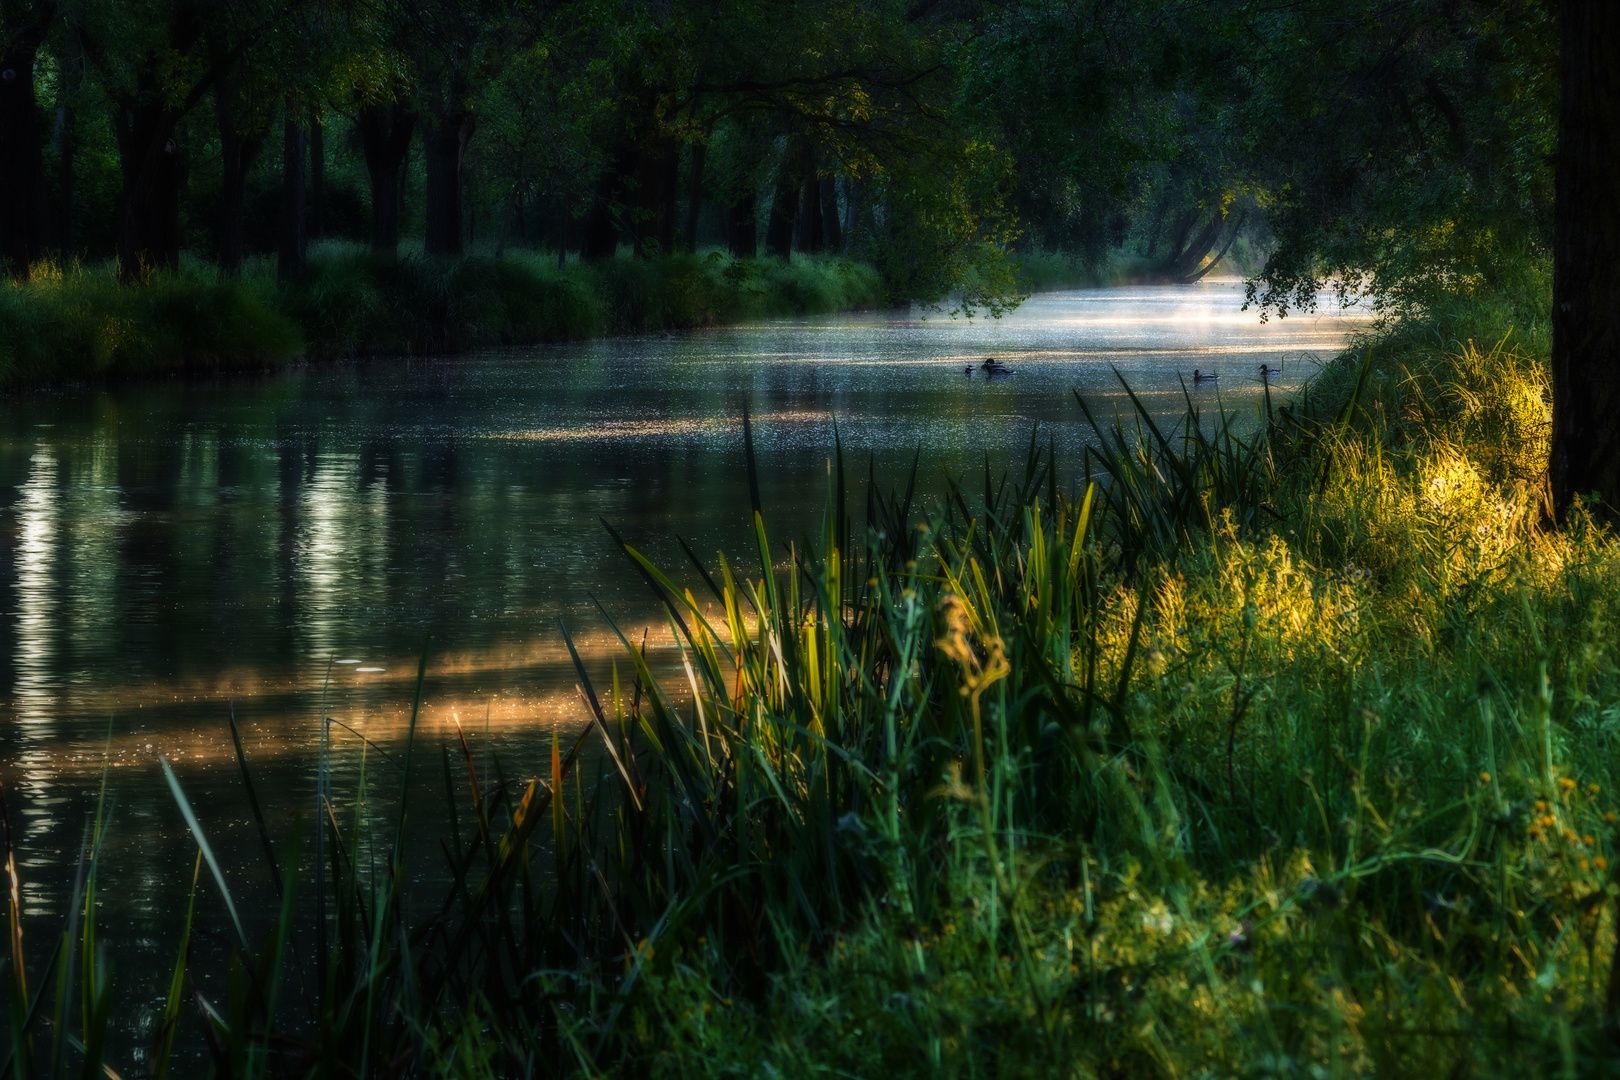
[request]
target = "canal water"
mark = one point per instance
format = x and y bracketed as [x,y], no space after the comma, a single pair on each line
[173,553]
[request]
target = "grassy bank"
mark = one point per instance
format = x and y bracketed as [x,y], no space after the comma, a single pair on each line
[82,323]
[1202,756]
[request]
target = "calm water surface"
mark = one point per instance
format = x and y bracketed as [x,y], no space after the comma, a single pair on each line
[170,552]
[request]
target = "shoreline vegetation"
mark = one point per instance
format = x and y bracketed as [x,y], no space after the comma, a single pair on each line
[81,323]
[1208,754]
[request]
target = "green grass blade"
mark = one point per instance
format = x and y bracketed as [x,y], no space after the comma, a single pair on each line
[207,851]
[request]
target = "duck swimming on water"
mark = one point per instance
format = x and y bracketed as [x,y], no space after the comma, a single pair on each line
[1269,372]
[1205,376]
[992,366]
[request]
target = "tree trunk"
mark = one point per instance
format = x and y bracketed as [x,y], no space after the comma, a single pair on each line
[24,209]
[290,251]
[694,195]
[1585,458]
[1197,275]
[831,234]
[385,138]
[66,144]
[669,190]
[238,150]
[779,227]
[149,203]
[1187,254]
[742,227]
[809,223]
[602,227]
[562,231]
[69,78]
[317,176]
[444,145]
[657,175]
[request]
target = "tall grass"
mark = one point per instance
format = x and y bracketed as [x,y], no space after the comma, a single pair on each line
[1206,756]
[354,302]
[83,323]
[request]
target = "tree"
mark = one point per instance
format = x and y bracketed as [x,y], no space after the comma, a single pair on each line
[1585,460]
[24,212]
[243,110]
[153,62]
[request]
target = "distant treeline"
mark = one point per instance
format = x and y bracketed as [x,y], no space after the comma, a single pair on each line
[1404,148]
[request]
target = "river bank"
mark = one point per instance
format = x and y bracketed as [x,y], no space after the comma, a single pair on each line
[80,323]
[1285,752]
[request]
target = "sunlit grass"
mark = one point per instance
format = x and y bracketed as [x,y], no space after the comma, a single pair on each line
[81,322]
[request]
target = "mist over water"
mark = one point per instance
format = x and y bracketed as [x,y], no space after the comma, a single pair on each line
[173,551]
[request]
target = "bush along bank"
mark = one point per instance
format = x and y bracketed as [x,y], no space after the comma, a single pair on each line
[82,323]
[1205,755]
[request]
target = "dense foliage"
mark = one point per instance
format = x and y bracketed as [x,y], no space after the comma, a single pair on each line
[1400,148]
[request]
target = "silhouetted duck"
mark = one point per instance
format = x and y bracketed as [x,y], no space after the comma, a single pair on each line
[968,371]
[992,366]
[1269,372]
[1205,376]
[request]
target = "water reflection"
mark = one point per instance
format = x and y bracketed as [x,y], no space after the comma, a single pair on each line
[180,550]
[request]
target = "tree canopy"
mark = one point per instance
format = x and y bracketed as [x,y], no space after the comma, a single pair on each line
[1396,148]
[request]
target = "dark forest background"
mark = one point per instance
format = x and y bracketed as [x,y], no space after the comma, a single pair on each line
[1398,147]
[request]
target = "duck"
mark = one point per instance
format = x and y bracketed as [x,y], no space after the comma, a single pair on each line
[1205,376]
[995,367]
[968,371]
[1269,372]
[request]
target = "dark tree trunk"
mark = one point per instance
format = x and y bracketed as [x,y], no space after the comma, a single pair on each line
[1187,254]
[24,209]
[67,141]
[694,195]
[809,223]
[742,227]
[1154,230]
[669,189]
[602,227]
[239,149]
[149,204]
[317,176]
[831,233]
[150,160]
[385,137]
[66,145]
[444,145]
[779,227]
[563,238]
[657,176]
[1586,264]
[1198,273]
[294,146]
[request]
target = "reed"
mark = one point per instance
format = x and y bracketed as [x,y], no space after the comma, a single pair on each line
[1207,755]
